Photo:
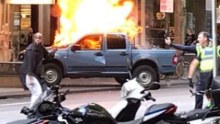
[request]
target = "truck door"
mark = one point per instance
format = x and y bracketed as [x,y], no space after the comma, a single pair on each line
[87,55]
[116,54]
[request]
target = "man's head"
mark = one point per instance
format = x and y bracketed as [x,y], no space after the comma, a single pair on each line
[30,30]
[203,38]
[38,38]
[189,31]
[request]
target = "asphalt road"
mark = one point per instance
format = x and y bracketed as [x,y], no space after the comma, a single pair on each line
[179,95]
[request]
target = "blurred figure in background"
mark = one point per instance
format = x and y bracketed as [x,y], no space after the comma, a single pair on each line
[30,36]
[190,37]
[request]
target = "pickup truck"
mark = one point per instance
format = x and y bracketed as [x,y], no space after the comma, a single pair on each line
[109,55]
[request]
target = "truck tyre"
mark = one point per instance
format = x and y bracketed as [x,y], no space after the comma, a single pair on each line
[146,75]
[53,74]
[121,80]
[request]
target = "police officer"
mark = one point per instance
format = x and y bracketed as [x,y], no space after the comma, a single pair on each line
[30,72]
[204,58]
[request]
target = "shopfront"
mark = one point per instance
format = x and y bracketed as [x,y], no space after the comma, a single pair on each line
[158,23]
[155,23]
[19,19]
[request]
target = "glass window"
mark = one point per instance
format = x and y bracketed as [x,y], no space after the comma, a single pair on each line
[93,42]
[116,42]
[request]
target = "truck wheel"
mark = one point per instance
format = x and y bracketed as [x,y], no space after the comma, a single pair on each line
[53,74]
[146,75]
[120,80]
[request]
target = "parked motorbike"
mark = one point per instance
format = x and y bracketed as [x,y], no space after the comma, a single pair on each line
[91,113]
[197,116]
[133,94]
[206,115]
[48,110]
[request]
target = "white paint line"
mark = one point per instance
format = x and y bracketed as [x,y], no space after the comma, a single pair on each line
[13,104]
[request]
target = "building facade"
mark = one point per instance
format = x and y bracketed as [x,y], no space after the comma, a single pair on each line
[18,16]
[17,19]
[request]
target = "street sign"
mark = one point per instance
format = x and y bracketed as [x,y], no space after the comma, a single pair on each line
[166,6]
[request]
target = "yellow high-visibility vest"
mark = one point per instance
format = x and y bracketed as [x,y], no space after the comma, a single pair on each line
[206,55]
[207,61]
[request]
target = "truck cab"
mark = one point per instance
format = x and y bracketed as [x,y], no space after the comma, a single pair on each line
[108,55]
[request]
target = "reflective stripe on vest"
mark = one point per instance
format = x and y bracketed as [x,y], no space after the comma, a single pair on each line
[207,61]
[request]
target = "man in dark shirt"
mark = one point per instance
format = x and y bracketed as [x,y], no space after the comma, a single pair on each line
[30,72]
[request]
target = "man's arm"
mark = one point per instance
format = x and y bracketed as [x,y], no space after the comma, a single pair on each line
[191,49]
[47,54]
[31,62]
[192,68]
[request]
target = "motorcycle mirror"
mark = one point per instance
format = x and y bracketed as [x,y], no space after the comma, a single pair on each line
[154,86]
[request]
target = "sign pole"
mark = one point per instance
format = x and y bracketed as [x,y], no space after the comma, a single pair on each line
[215,68]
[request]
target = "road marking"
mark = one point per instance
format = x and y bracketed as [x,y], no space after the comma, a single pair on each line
[13,104]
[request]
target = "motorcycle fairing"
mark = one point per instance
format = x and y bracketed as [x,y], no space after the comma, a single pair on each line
[157,110]
[138,121]
[90,114]
[209,120]
[128,113]
[195,114]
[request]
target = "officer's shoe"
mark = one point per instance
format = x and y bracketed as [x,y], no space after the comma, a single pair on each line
[26,111]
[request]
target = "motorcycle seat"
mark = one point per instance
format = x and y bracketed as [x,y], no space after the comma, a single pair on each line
[158,107]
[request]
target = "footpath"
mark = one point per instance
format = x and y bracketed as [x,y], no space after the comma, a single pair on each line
[76,86]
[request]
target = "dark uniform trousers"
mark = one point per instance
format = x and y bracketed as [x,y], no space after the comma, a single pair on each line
[204,83]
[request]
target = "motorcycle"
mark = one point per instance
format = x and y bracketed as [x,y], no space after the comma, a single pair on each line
[197,116]
[48,110]
[206,115]
[133,94]
[90,113]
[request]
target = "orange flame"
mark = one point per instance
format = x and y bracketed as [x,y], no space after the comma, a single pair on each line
[81,17]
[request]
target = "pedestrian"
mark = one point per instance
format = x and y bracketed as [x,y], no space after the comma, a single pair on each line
[23,42]
[190,37]
[204,59]
[30,72]
[30,36]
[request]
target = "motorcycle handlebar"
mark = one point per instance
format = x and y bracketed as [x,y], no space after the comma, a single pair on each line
[148,96]
[151,98]
[193,92]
